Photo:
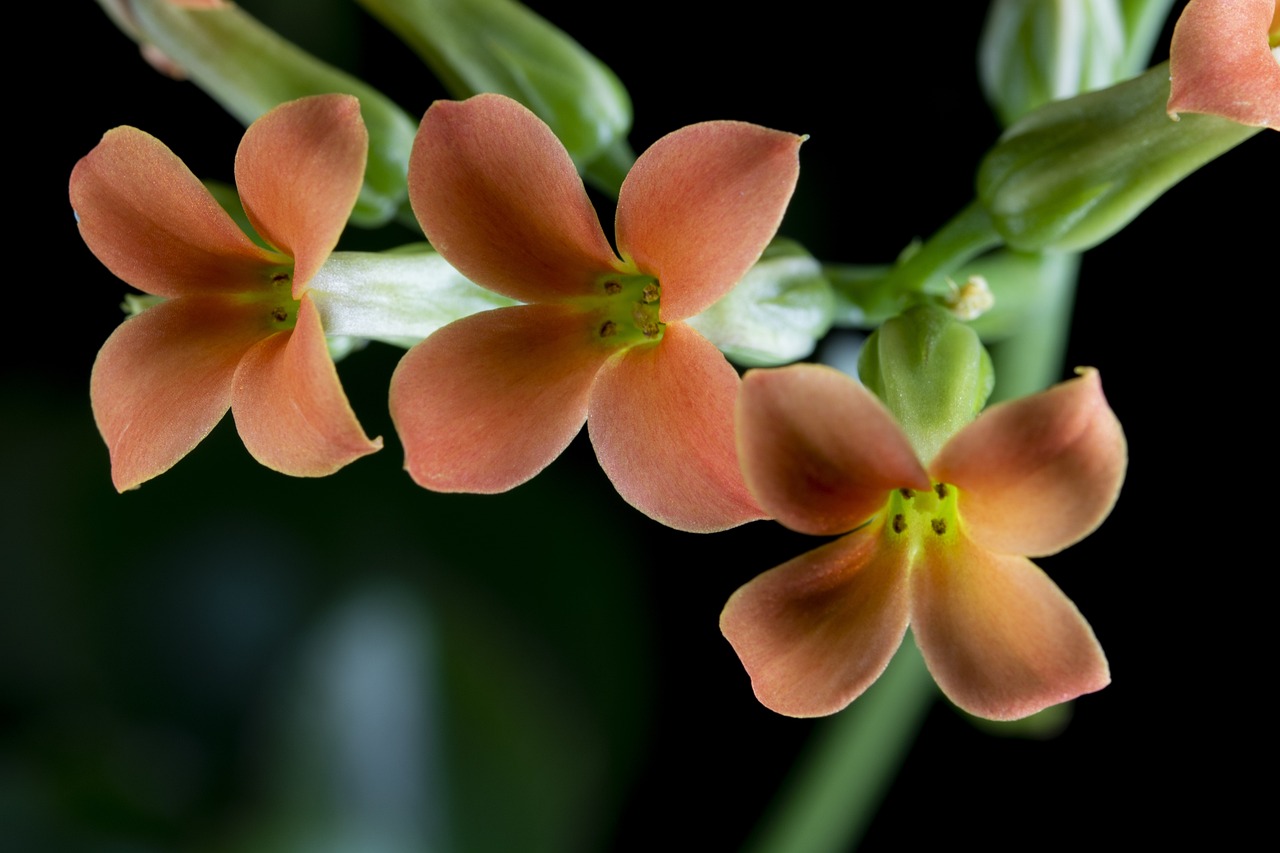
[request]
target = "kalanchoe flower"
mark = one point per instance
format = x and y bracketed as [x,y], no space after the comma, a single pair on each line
[236,327]
[940,547]
[488,401]
[1225,60]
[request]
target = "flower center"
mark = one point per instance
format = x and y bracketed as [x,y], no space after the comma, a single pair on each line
[629,309]
[277,301]
[914,517]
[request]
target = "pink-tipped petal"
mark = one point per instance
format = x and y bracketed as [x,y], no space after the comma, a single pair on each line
[661,422]
[498,196]
[289,406]
[152,223]
[490,400]
[1221,62]
[701,204]
[299,170]
[818,450]
[815,632]
[163,380]
[1000,638]
[1040,473]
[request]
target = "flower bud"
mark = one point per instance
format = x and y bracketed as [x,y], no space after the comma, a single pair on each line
[1072,173]
[248,69]
[500,46]
[931,371]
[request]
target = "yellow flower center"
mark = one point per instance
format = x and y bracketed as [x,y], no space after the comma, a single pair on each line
[279,307]
[628,309]
[913,517]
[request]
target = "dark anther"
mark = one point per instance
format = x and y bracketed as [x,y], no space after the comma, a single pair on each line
[279,314]
[651,293]
[907,493]
[899,523]
[651,330]
[939,526]
[608,328]
[279,278]
[612,287]
[941,489]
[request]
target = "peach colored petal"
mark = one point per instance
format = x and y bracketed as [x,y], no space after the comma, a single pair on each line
[661,422]
[701,204]
[289,406]
[490,400]
[815,632]
[299,170]
[153,224]
[163,380]
[818,450]
[1220,61]
[1040,473]
[1000,638]
[498,196]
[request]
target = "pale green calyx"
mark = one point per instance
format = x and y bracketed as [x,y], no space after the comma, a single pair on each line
[776,313]
[396,297]
[931,371]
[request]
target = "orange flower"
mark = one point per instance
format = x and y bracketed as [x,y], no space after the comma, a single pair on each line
[236,328]
[938,548]
[490,400]
[1225,60]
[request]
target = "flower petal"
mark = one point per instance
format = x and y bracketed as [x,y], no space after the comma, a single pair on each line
[815,632]
[299,170]
[661,422]
[1040,473]
[289,406]
[818,450]
[1000,637]
[701,204]
[152,223]
[498,196]
[488,401]
[163,380]
[1220,61]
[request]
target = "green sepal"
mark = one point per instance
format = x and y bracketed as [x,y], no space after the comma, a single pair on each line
[1072,173]
[249,69]
[476,46]
[931,370]
[776,314]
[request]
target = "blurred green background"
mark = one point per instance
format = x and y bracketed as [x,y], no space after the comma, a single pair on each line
[232,660]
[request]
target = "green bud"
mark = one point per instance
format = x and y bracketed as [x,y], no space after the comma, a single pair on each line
[476,46]
[931,371]
[776,314]
[1036,51]
[1072,173]
[249,69]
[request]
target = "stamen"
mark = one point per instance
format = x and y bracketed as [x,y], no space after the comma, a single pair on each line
[280,278]
[939,526]
[941,489]
[899,523]
[612,287]
[279,314]
[907,493]
[608,328]
[651,293]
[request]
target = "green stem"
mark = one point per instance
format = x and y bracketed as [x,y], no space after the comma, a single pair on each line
[832,794]
[969,233]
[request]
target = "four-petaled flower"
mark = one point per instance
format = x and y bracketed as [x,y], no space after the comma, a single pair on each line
[1225,60]
[487,402]
[236,328]
[940,548]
